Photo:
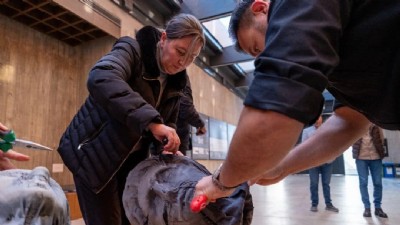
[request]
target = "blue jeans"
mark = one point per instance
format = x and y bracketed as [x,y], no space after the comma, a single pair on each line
[375,168]
[326,173]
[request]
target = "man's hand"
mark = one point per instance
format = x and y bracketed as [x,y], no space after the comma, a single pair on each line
[206,187]
[270,177]
[160,132]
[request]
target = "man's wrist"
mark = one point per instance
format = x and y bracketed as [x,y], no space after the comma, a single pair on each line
[218,183]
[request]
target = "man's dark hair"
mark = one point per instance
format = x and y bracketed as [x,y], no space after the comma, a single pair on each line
[238,16]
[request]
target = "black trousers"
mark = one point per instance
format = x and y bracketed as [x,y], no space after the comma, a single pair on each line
[105,207]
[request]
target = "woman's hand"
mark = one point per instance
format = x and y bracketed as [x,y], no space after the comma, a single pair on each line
[162,132]
[201,130]
[206,187]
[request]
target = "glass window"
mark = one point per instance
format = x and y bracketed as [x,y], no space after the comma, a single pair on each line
[247,66]
[219,29]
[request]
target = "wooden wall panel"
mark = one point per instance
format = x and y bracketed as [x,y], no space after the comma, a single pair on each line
[74,210]
[43,83]
[91,53]
[126,28]
[212,98]
[37,79]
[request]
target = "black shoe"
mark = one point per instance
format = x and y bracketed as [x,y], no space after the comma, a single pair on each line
[367,212]
[331,208]
[379,212]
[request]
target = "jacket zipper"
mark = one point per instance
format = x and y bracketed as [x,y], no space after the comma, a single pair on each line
[91,137]
[108,181]
[157,102]
[87,140]
[119,167]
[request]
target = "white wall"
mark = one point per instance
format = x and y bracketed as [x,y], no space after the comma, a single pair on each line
[393,139]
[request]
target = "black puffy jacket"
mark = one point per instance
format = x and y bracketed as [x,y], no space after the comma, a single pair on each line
[123,92]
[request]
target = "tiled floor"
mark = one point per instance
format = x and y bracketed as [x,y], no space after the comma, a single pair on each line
[288,203]
[78,222]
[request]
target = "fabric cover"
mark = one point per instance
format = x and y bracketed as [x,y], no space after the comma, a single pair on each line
[159,190]
[31,197]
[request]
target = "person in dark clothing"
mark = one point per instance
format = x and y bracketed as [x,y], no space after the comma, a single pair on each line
[133,102]
[368,152]
[303,47]
[188,116]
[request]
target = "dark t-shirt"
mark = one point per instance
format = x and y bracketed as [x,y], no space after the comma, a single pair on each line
[352,48]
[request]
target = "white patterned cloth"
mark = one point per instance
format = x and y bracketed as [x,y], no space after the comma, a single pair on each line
[31,197]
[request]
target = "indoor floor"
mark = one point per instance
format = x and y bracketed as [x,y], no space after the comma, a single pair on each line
[288,203]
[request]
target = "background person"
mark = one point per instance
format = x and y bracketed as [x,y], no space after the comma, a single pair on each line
[368,152]
[326,173]
[133,101]
[303,47]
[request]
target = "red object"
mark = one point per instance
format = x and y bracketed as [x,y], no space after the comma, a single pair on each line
[198,203]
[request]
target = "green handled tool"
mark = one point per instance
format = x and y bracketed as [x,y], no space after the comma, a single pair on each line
[9,140]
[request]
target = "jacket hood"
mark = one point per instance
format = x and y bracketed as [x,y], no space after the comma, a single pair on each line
[148,37]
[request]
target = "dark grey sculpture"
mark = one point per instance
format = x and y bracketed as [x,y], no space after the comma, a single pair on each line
[31,197]
[159,190]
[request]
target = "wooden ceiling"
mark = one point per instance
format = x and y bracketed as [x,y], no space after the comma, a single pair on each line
[52,19]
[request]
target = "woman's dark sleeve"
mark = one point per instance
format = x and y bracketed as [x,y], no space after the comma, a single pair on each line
[107,84]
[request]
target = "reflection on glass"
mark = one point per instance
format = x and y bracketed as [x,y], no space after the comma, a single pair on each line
[219,29]
[247,66]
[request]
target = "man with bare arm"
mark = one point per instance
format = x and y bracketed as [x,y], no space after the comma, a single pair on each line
[302,47]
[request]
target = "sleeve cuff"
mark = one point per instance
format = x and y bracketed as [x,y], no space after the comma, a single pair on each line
[286,96]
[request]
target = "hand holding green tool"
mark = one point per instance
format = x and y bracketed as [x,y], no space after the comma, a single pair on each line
[9,140]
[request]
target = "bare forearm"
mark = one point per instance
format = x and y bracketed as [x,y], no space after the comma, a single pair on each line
[261,140]
[338,133]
